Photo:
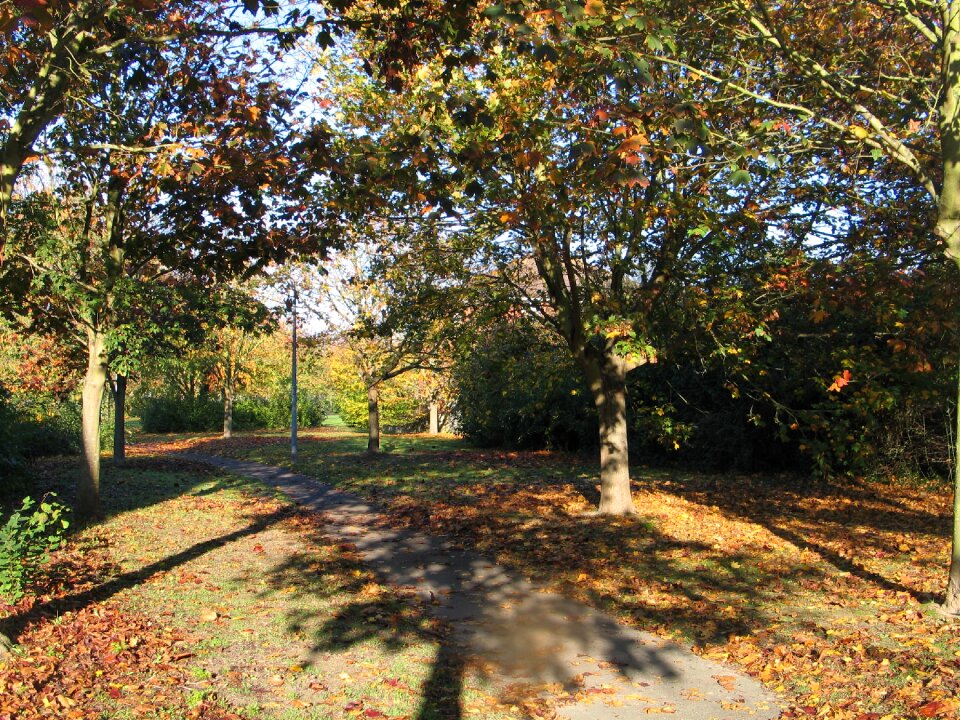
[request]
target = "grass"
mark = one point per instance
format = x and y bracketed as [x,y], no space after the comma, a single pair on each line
[232,603]
[824,591]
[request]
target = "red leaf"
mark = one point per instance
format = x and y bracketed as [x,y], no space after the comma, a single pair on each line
[932,709]
[840,381]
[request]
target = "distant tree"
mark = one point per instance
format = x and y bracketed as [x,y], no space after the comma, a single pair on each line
[397,312]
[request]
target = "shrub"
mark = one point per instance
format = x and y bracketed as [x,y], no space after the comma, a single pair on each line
[44,426]
[26,540]
[252,412]
[518,387]
[33,426]
[166,414]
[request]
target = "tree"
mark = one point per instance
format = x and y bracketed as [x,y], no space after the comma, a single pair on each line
[237,327]
[190,178]
[53,52]
[397,314]
[595,187]
[877,81]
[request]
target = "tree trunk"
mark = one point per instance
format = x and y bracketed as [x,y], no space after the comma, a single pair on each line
[88,488]
[373,418]
[948,229]
[434,418]
[607,378]
[119,421]
[951,604]
[228,396]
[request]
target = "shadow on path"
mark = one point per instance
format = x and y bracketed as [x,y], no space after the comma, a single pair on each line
[504,623]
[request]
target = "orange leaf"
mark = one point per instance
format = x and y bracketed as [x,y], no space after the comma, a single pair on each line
[593,7]
[632,144]
[932,709]
[840,381]
[727,682]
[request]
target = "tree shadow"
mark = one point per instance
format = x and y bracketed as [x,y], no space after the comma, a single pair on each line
[495,621]
[792,514]
[100,590]
[141,482]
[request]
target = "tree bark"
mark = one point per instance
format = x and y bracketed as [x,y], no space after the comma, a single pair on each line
[228,397]
[88,487]
[119,421]
[434,418]
[373,418]
[951,603]
[606,375]
[948,229]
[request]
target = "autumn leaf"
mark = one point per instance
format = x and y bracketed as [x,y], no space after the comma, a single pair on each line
[727,682]
[594,8]
[632,144]
[932,709]
[840,381]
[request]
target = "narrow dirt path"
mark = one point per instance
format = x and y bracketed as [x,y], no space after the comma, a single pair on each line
[525,635]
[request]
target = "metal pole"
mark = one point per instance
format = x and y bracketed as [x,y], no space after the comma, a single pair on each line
[293,388]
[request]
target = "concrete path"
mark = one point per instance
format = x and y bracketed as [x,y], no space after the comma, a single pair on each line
[526,634]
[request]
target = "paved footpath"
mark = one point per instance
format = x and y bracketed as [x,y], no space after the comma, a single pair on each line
[526,634]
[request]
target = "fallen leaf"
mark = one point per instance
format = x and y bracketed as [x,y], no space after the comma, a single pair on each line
[727,682]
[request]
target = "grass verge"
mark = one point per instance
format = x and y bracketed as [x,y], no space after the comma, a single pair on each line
[205,596]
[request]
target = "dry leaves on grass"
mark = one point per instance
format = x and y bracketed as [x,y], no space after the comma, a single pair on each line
[98,658]
[820,590]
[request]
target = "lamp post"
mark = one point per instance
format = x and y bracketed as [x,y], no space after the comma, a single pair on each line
[292,306]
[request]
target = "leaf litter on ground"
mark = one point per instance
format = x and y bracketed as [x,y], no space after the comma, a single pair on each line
[203,596]
[825,591]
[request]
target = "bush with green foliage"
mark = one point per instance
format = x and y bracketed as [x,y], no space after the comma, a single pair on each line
[166,414]
[251,412]
[518,387]
[844,367]
[31,426]
[43,426]
[26,539]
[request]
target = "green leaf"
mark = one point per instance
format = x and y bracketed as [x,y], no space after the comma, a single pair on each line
[740,177]
[495,11]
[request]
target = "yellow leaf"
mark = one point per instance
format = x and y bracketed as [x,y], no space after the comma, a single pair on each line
[594,7]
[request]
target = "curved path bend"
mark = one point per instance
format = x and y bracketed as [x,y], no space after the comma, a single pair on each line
[526,634]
